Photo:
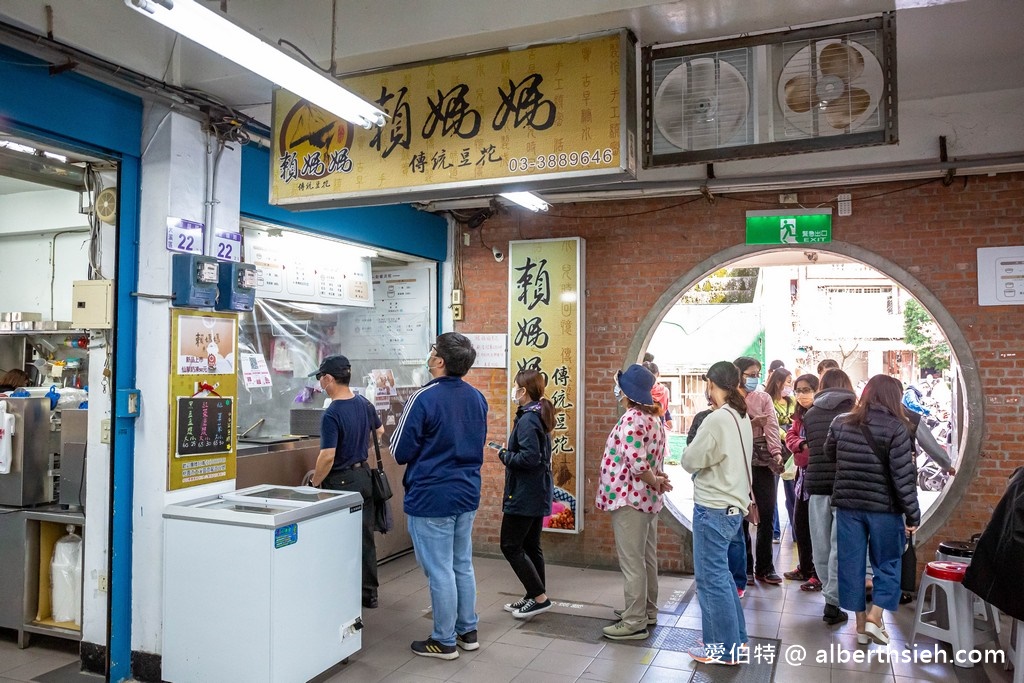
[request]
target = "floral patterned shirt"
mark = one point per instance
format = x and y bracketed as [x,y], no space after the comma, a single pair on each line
[635,445]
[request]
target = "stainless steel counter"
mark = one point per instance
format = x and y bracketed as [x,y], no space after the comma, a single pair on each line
[285,464]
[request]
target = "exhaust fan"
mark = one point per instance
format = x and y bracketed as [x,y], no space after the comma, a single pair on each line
[811,89]
[703,103]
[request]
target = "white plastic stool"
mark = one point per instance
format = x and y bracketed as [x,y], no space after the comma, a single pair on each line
[1016,651]
[963,551]
[952,622]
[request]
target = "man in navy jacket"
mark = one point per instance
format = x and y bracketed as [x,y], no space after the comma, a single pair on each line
[440,439]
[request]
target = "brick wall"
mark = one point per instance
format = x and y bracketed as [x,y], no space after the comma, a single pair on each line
[637,249]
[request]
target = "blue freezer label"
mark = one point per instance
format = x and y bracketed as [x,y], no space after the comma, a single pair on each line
[286,535]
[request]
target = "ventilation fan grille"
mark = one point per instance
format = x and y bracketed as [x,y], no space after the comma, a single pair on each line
[702,102]
[809,89]
[829,86]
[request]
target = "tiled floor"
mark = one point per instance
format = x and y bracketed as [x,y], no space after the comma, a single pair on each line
[509,653]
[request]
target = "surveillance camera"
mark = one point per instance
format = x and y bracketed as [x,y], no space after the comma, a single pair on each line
[498,255]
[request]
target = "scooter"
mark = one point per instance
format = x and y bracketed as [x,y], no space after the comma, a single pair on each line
[930,476]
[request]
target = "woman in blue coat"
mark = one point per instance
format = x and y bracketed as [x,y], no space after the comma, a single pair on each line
[528,491]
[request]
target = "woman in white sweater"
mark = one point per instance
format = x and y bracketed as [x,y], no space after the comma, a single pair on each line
[719,459]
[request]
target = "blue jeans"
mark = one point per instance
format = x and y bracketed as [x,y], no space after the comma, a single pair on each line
[714,532]
[882,536]
[738,559]
[444,548]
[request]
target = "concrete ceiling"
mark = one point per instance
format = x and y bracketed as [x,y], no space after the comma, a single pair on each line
[948,53]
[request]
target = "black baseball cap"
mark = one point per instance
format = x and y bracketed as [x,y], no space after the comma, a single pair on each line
[332,365]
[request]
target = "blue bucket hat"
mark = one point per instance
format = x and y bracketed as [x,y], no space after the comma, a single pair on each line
[636,383]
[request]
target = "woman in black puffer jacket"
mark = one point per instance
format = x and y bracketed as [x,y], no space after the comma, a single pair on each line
[528,491]
[875,497]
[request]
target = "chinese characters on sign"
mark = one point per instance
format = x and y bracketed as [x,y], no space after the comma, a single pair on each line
[549,109]
[545,333]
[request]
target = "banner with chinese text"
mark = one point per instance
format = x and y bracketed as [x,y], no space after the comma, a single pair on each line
[203,387]
[555,111]
[546,332]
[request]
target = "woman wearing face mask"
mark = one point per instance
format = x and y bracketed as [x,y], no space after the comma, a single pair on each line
[796,440]
[631,487]
[780,387]
[528,491]
[766,462]
[719,461]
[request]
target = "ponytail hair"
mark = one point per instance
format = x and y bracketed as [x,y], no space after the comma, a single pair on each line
[726,376]
[534,383]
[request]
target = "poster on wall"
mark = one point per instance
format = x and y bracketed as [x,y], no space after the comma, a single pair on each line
[546,333]
[206,345]
[399,324]
[203,387]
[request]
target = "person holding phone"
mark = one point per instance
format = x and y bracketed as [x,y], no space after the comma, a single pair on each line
[529,490]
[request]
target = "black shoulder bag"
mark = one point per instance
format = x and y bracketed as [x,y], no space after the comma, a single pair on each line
[908,566]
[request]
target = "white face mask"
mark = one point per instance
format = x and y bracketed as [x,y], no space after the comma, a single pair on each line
[514,394]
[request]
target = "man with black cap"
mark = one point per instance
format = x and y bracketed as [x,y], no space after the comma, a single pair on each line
[342,464]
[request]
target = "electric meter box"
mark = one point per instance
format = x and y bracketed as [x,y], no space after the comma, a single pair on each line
[194,280]
[92,304]
[237,286]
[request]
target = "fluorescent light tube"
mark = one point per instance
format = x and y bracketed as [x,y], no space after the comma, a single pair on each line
[215,32]
[527,200]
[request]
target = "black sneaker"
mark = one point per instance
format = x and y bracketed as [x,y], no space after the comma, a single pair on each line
[833,615]
[531,608]
[513,606]
[432,648]
[467,641]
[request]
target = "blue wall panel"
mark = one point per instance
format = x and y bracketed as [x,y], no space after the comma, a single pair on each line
[396,227]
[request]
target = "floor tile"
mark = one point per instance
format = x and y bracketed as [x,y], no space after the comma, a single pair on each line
[509,655]
[614,671]
[476,671]
[560,663]
[657,674]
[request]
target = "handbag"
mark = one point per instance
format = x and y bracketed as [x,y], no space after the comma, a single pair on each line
[752,516]
[381,485]
[383,520]
[908,568]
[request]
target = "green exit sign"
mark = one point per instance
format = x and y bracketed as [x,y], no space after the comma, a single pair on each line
[802,226]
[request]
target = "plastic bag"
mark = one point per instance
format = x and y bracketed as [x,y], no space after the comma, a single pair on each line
[7,423]
[66,578]
[789,473]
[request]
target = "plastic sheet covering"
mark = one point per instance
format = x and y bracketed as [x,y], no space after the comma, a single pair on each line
[293,337]
[66,578]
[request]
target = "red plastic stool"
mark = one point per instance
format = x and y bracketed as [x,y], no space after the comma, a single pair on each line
[952,620]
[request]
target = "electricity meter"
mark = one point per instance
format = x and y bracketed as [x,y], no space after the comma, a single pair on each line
[194,280]
[236,287]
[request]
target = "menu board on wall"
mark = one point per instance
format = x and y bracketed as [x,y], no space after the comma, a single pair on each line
[204,425]
[399,322]
[295,267]
[546,334]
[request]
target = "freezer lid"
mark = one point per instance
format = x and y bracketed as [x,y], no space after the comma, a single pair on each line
[265,505]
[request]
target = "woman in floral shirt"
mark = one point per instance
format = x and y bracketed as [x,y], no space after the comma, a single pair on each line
[631,488]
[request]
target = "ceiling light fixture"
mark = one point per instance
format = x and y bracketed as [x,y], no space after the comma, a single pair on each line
[216,32]
[527,200]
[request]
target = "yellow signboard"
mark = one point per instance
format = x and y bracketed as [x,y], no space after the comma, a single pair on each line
[549,112]
[546,333]
[203,388]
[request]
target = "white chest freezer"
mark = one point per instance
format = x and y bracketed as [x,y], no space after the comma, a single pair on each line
[262,584]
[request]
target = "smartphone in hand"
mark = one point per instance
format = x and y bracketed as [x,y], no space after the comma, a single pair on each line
[495,445]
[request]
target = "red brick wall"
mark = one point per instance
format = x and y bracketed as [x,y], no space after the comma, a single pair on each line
[634,252]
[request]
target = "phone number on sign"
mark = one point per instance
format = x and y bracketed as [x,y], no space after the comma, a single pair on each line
[561,160]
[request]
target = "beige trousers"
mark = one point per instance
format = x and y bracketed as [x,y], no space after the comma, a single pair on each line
[636,540]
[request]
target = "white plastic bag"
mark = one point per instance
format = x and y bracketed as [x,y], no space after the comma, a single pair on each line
[7,423]
[66,578]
